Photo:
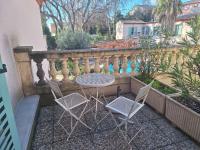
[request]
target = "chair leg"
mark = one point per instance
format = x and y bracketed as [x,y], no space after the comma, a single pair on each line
[135,135]
[58,122]
[72,130]
[79,118]
[129,121]
[117,124]
[61,117]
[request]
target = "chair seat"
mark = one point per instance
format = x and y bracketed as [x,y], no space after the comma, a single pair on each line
[72,100]
[123,106]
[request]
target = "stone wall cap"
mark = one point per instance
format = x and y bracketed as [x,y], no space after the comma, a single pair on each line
[20,49]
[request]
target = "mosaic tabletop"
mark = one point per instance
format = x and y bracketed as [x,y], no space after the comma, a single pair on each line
[95,80]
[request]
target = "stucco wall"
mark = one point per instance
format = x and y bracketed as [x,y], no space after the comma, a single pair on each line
[20,25]
[122,29]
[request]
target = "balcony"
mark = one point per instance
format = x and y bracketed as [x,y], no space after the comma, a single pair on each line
[160,132]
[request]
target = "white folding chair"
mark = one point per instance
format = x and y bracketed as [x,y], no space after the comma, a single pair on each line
[127,108]
[68,103]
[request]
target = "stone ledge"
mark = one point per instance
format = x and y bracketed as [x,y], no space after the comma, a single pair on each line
[25,115]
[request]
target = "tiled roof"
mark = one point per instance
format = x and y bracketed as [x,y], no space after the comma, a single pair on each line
[191,2]
[187,16]
[132,21]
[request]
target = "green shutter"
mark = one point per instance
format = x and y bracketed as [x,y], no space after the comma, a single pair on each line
[180,29]
[129,31]
[9,139]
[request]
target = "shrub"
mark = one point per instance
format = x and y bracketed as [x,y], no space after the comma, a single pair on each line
[98,38]
[73,40]
[51,41]
[187,75]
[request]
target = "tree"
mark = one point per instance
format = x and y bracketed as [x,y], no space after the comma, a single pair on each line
[141,12]
[166,11]
[74,12]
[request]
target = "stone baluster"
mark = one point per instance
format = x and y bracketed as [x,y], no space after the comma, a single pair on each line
[52,69]
[157,55]
[133,60]
[169,57]
[106,65]
[180,59]
[87,65]
[76,66]
[40,72]
[124,65]
[164,56]
[65,70]
[174,57]
[97,67]
[116,65]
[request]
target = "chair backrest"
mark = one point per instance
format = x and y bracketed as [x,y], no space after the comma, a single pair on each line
[55,89]
[143,93]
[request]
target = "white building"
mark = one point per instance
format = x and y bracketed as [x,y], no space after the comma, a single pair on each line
[135,28]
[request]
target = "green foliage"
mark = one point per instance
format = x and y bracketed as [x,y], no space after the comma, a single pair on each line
[187,76]
[157,85]
[147,42]
[141,12]
[51,41]
[177,77]
[152,63]
[73,40]
[58,65]
[98,38]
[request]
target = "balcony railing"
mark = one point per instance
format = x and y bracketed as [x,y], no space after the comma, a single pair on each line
[83,61]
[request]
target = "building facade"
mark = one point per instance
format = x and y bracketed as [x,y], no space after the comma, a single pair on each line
[136,28]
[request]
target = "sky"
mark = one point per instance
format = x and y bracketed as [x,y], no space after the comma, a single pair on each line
[128,6]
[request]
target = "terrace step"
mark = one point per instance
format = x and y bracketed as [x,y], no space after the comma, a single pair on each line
[25,114]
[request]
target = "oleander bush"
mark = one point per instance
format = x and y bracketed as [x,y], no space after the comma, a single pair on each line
[68,39]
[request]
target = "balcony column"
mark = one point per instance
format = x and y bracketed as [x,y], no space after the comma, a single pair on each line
[106,64]
[76,66]
[52,69]
[97,67]
[124,65]
[65,70]
[116,65]
[87,65]
[23,63]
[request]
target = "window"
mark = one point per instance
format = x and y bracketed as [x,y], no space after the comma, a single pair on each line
[132,31]
[145,30]
[178,29]
[135,31]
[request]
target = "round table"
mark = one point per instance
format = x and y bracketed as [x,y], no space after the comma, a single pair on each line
[95,80]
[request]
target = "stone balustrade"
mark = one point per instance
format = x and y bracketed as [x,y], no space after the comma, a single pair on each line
[66,65]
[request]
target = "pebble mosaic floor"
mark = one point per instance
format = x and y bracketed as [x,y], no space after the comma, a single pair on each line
[159,133]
